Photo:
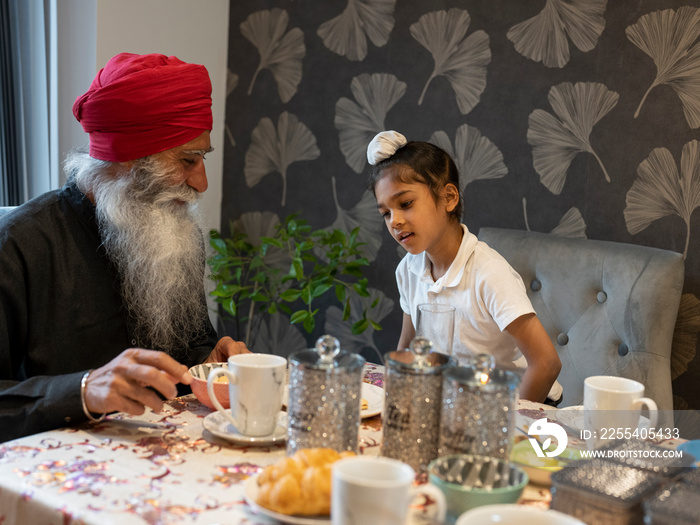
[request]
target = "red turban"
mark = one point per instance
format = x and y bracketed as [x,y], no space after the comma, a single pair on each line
[139,105]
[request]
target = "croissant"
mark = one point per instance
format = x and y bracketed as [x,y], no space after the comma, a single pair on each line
[299,484]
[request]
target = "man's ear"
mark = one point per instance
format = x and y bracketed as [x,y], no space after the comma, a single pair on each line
[451,195]
[127,164]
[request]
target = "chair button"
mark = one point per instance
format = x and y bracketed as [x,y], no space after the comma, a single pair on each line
[622,349]
[535,285]
[562,339]
[602,297]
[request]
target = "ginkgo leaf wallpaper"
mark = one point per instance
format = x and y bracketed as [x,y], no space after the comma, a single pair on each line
[576,117]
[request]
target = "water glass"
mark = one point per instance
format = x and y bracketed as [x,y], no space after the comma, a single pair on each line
[436,322]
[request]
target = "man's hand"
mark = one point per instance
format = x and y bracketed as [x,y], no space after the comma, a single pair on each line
[224,348]
[121,385]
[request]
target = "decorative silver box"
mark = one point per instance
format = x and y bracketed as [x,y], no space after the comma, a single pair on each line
[479,406]
[411,417]
[324,397]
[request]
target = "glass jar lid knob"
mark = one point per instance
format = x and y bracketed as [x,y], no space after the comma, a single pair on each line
[483,366]
[420,348]
[327,347]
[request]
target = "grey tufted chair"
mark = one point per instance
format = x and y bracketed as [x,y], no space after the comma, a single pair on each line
[4,210]
[610,308]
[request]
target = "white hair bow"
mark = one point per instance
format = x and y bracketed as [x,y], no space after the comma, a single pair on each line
[384,145]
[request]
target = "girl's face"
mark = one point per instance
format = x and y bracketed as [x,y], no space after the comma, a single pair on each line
[410,212]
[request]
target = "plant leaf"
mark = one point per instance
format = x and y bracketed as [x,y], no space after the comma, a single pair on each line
[347,33]
[461,60]
[659,191]
[276,149]
[290,295]
[300,315]
[319,290]
[358,122]
[343,331]
[230,306]
[475,155]
[218,244]
[360,326]
[309,324]
[542,38]
[555,142]
[257,226]
[280,52]
[669,38]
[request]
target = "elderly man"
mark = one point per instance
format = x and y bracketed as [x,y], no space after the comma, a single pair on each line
[101,282]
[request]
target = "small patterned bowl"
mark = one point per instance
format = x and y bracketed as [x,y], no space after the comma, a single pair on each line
[470,481]
[199,385]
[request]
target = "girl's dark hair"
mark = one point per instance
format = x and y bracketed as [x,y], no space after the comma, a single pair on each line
[429,165]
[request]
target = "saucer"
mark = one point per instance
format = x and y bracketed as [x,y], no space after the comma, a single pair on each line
[522,515]
[375,400]
[221,427]
[572,417]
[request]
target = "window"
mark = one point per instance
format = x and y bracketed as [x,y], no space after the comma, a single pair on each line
[25,150]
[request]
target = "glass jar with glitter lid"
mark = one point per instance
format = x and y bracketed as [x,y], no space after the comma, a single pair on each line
[324,397]
[413,393]
[479,407]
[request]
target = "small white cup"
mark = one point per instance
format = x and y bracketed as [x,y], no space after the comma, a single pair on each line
[611,408]
[255,388]
[376,490]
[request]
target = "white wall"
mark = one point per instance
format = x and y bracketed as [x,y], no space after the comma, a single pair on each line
[73,68]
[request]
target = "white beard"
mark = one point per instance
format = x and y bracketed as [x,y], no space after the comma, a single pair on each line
[157,246]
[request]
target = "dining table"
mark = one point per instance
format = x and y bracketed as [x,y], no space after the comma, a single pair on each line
[168,468]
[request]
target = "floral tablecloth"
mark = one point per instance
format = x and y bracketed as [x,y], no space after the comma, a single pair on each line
[152,469]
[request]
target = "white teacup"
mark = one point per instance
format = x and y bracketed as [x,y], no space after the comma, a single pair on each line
[376,490]
[612,408]
[255,388]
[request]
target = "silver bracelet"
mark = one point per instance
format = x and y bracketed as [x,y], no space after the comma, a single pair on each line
[83,384]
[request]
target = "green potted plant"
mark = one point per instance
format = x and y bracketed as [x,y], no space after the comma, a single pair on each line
[289,271]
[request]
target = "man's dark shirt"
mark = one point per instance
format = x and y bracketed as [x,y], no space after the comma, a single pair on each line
[61,312]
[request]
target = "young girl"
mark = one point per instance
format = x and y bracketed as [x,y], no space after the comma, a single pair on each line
[416,185]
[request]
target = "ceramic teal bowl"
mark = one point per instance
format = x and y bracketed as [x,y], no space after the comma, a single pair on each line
[470,481]
[692,448]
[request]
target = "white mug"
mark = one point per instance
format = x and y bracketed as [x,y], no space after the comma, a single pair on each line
[611,408]
[255,387]
[376,490]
